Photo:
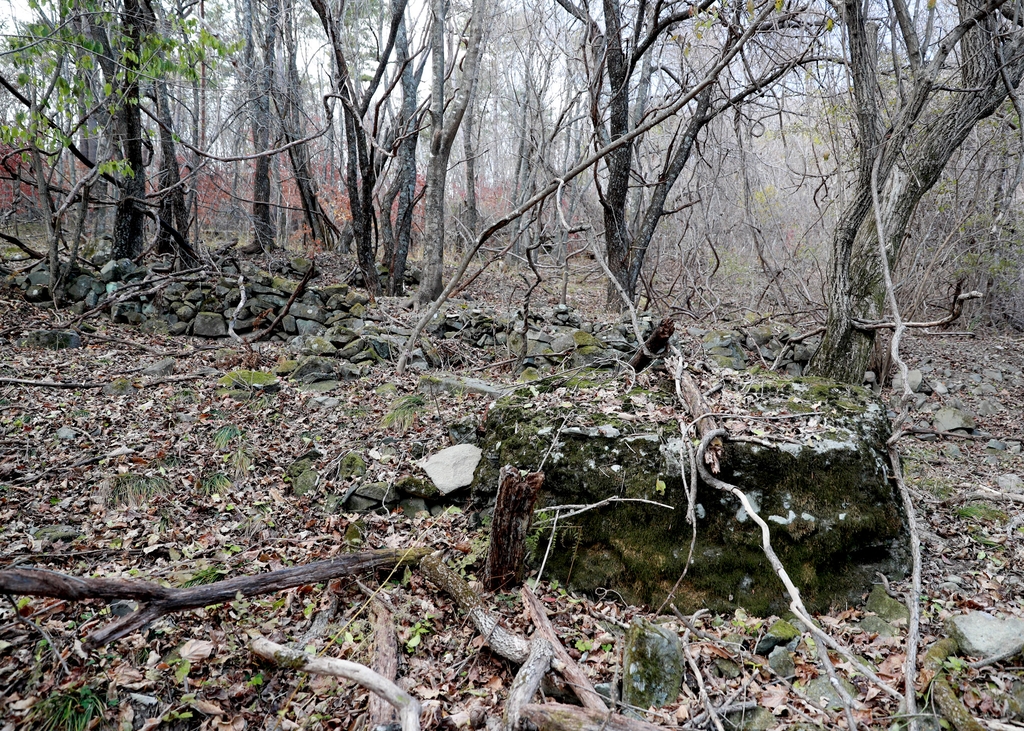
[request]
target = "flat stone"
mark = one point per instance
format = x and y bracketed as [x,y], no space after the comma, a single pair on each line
[988,407]
[439,383]
[379,492]
[210,325]
[990,374]
[982,635]
[877,626]
[453,467]
[67,433]
[314,368]
[1010,483]
[163,367]
[951,419]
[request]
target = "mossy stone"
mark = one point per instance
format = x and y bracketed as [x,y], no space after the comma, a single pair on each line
[251,380]
[119,387]
[305,481]
[351,465]
[652,665]
[583,339]
[886,607]
[780,633]
[417,487]
[834,517]
[756,719]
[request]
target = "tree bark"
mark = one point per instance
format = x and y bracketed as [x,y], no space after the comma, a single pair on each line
[513,511]
[129,220]
[262,217]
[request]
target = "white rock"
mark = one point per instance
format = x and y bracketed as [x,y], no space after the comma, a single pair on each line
[1010,483]
[452,468]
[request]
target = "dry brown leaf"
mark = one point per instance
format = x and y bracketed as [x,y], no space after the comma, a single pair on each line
[195,650]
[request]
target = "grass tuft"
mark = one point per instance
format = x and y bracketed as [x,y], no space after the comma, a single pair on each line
[135,489]
[71,710]
[404,413]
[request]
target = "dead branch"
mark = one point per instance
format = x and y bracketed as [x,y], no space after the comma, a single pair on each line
[156,601]
[408,706]
[955,310]
[945,697]
[656,343]
[51,384]
[561,717]
[284,310]
[505,643]
[526,682]
[573,674]
[513,510]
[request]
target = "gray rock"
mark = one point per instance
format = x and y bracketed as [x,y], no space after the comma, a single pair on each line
[463,431]
[314,368]
[439,383]
[754,719]
[51,340]
[413,505]
[307,312]
[994,445]
[351,465]
[877,626]
[781,662]
[914,379]
[67,433]
[988,407]
[886,607]
[652,665]
[210,325]
[359,503]
[951,419]
[379,492]
[982,635]
[820,690]
[453,467]
[163,367]
[119,387]
[309,327]
[990,374]
[82,286]
[1010,483]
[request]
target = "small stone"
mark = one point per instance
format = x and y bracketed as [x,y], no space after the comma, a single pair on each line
[250,381]
[163,367]
[820,690]
[66,433]
[914,379]
[990,374]
[886,607]
[994,445]
[1010,483]
[314,368]
[951,419]
[988,407]
[727,668]
[453,467]
[982,635]
[305,481]
[210,325]
[417,487]
[877,626]
[780,633]
[952,451]
[379,492]
[781,662]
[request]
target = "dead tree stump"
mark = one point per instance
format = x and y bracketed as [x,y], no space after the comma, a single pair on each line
[513,511]
[655,344]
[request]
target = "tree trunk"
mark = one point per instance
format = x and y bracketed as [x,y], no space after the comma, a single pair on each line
[406,164]
[443,130]
[262,217]
[129,220]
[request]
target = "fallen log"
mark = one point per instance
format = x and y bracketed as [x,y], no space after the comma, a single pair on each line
[407,706]
[561,717]
[156,601]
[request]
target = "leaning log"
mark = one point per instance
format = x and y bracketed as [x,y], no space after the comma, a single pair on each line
[156,601]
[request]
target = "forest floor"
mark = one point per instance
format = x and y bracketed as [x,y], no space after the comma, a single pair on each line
[174,483]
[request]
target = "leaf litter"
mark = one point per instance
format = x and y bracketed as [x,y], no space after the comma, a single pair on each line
[179,484]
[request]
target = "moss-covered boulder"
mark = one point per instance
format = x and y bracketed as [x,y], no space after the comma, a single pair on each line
[834,517]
